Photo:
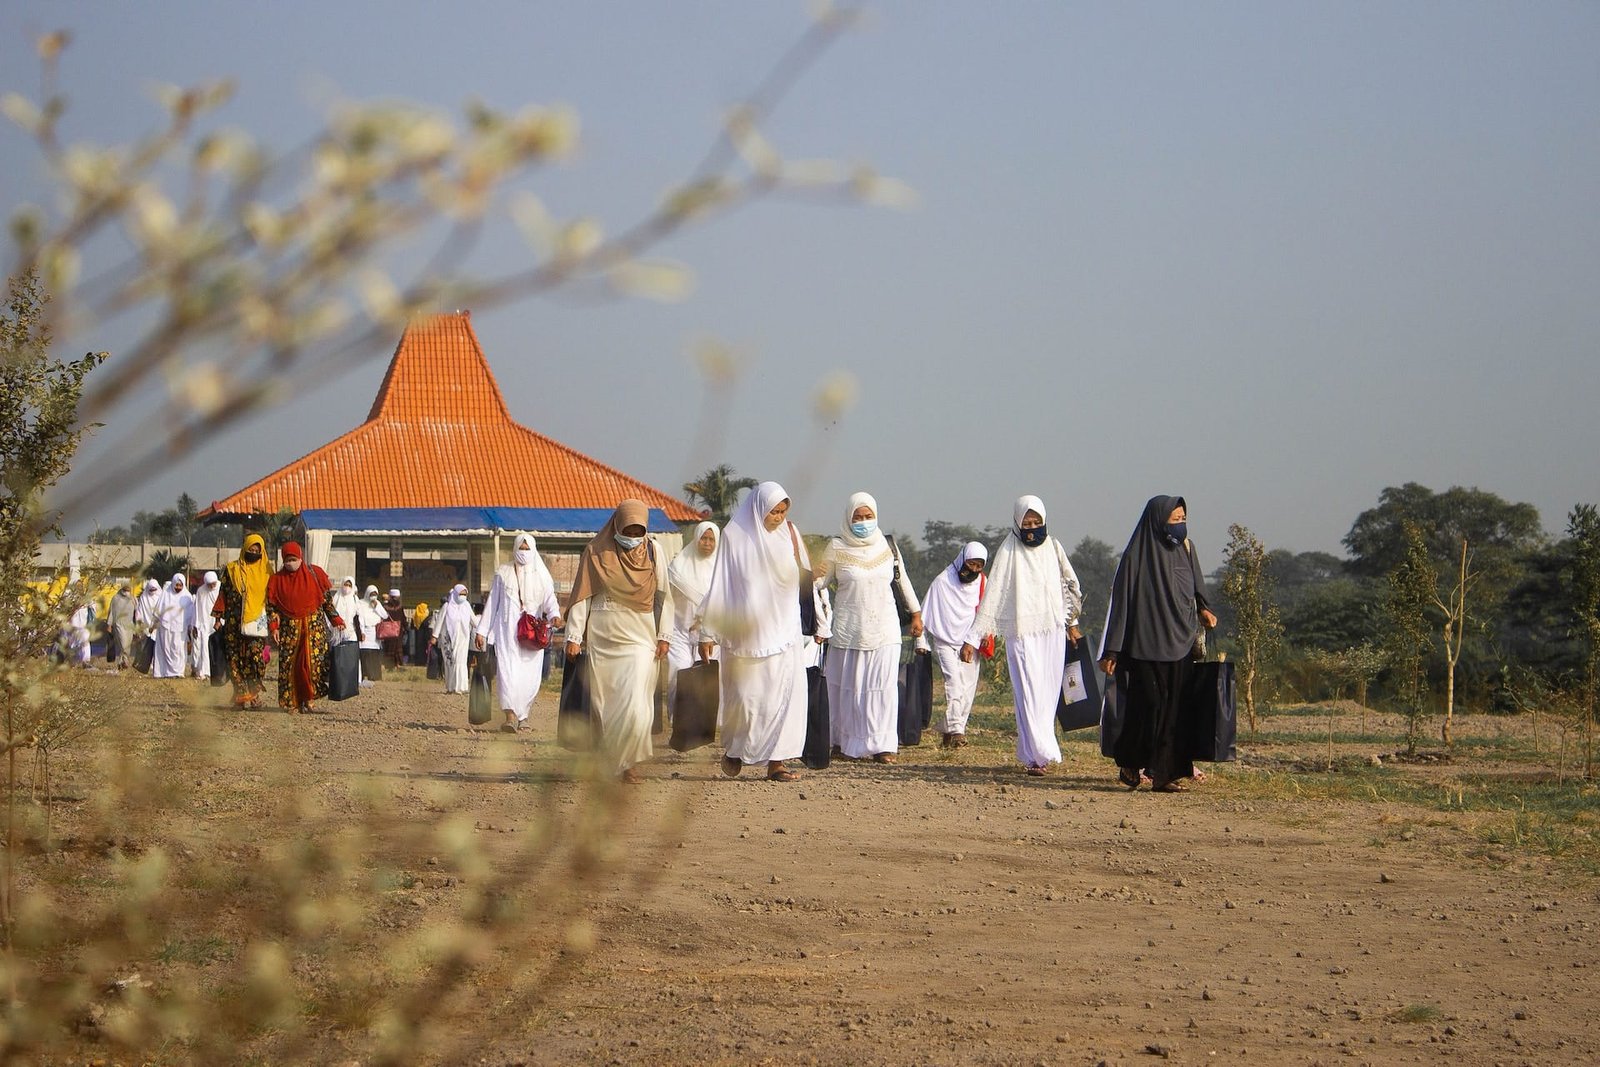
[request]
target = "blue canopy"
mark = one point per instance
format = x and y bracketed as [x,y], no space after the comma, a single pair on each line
[470,520]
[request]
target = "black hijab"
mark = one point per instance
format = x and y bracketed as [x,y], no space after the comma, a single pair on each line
[1157,593]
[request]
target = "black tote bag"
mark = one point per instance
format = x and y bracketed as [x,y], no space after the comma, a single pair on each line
[344,670]
[1111,716]
[217,649]
[818,748]
[577,726]
[916,698]
[1210,722]
[694,706]
[480,687]
[144,653]
[435,664]
[1079,706]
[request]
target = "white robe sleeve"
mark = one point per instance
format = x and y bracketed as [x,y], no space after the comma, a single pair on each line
[492,606]
[1071,592]
[577,620]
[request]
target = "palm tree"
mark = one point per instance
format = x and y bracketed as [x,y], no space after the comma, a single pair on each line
[718,490]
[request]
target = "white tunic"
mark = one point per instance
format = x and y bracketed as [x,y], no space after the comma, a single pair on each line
[864,655]
[455,639]
[1037,663]
[620,642]
[204,600]
[764,705]
[519,670]
[176,611]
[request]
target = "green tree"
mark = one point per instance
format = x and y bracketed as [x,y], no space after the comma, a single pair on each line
[1096,565]
[39,432]
[717,490]
[1583,529]
[1413,583]
[1247,586]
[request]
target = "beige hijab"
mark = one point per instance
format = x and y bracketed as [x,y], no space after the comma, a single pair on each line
[628,577]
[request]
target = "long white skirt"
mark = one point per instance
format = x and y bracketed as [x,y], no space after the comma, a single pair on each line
[200,654]
[764,705]
[453,650]
[171,650]
[621,644]
[518,672]
[864,699]
[1037,663]
[960,687]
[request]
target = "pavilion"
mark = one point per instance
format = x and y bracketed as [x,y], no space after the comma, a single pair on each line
[420,495]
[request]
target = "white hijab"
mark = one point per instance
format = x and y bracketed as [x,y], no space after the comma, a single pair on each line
[205,597]
[1030,590]
[457,612]
[867,552]
[345,605]
[175,604]
[752,604]
[948,610]
[526,576]
[149,604]
[372,610]
[690,570]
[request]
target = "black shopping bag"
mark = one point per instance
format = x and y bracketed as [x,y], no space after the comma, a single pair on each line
[435,664]
[1210,723]
[577,726]
[1079,706]
[144,654]
[694,706]
[819,744]
[916,698]
[344,670]
[1111,716]
[480,688]
[217,649]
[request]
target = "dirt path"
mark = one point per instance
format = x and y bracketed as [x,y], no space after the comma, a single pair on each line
[949,910]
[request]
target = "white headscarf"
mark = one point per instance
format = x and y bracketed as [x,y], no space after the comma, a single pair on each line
[526,577]
[690,570]
[864,552]
[1030,590]
[951,604]
[146,612]
[345,605]
[457,612]
[752,604]
[205,598]
[175,605]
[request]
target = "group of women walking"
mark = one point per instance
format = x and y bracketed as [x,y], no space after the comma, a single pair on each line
[750,597]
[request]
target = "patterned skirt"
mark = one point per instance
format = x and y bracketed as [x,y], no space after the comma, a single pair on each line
[244,663]
[303,668]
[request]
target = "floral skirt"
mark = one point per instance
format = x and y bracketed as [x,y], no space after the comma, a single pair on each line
[303,668]
[244,663]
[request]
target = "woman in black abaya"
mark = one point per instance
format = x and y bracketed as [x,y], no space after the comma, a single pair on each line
[1158,604]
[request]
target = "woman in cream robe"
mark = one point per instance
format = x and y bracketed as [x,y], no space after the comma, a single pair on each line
[523,585]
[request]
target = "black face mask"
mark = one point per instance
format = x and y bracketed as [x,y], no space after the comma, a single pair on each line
[1033,537]
[968,577]
[251,557]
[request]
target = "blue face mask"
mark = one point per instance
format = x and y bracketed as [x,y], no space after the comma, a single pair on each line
[1033,537]
[628,544]
[1177,532]
[865,528]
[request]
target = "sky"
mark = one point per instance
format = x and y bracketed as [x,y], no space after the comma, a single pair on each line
[1273,257]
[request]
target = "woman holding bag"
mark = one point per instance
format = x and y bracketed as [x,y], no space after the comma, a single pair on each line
[521,588]
[1032,599]
[241,613]
[613,617]
[1158,604]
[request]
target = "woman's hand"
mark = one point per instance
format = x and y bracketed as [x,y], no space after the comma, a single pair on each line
[706,648]
[574,649]
[661,649]
[916,624]
[555,621]
[1074,635]
[1209,619]
[477,642]
[1109,665]
[967,652]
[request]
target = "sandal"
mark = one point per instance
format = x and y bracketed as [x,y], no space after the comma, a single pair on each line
[1036,772]
[731,767]
[1177,785]
[630,777]
[782,774]
[1128,777]
[883,757]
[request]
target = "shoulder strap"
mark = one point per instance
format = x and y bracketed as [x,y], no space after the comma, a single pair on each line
[794,539]
[894,551]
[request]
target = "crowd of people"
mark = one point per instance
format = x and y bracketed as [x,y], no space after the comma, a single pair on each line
[747,597]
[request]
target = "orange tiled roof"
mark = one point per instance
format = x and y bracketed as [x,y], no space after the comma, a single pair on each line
[438,436]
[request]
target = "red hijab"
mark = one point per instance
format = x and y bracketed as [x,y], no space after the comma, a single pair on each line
[297,593]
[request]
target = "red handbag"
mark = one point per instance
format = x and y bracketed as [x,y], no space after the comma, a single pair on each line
[533,632]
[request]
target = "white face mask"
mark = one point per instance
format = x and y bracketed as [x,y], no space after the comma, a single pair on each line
[522,556]
[628,544]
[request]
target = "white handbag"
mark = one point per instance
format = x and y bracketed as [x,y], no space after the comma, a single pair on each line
[255,627]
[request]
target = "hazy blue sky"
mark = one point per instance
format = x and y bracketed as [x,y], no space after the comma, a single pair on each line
[1272,256]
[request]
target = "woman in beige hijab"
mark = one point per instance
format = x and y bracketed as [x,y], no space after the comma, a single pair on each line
[613,616]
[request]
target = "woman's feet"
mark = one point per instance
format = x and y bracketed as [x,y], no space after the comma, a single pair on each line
[1036,770]
[777,772]
[1177,785]
[884,757]
[630,777]
[1128,776]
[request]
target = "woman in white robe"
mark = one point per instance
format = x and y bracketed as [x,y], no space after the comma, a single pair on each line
[1032,600]
[948,612]
[176,618]
[864,651]
[689,574]
[612,616]
[205,598]
[523,585]
[347,603]
[147,612]
[752,613]
[78,638]
[453,633]
[371,612]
